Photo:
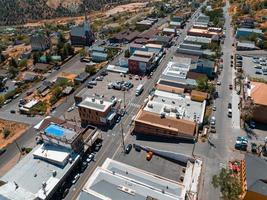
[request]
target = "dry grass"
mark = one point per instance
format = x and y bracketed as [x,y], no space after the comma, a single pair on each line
[16,130]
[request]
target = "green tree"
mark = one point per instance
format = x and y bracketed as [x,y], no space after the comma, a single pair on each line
[6,133]
[13,71]
[228,183]
[2,100]
[90,69]
[82,53]
[13,63]
[203,85]
[36,56]
[23,63]
[247,110]
[127,53]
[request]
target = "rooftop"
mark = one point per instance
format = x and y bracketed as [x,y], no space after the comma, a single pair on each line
[127,35]
[204,31]
[58,128]
[178,69]
[259,93]
[197,39]
[184,128]
[173,105]
[256,174]
[31,173]
[118,181]
[95,104]
[259,31]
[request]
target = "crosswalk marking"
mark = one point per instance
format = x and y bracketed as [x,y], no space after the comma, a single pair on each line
[134,105]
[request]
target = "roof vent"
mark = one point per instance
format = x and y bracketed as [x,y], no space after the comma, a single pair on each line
[101,101]
[70,160]
[43,184]
[126,190]
[166,109]
[150,105]
[54,173]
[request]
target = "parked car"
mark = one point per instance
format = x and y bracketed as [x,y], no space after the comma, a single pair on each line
[118,119]
[218,82]
[16,95]
[99,78]
[229,105]
[90,158]
[254,148]
[214,108]
[90,86]
[128,148]
[75,179]
[137,148]
[12,111]
[93,82]
[252,124]
[7,101]
[230,86]
[213,120]
[136,77]
[98,146]
[241,143]
[104,73]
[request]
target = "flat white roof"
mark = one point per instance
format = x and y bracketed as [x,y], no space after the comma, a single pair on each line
[119,181]
[158,46]
[95,104]
[31,103]
[177,69]
[52,154]
[172,104]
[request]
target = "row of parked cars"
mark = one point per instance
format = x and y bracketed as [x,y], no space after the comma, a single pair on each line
[120,85]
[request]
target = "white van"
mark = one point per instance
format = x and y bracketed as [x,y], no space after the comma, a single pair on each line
[139,90]
[229,112]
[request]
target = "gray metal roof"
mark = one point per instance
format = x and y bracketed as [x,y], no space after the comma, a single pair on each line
[256,174]
[30,173]
[139,58]
[118,181]
[79,30]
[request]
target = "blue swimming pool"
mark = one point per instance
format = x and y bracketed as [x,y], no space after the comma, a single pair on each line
[54,130]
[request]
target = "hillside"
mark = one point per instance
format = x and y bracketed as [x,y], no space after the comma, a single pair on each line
[22,11]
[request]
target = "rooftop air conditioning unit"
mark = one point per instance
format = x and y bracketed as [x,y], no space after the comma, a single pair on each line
[162,114]
[177,116]
[166,109]
[101,101]
[174,110]
[93,99]
[150,105]
[54,173]
[126,190]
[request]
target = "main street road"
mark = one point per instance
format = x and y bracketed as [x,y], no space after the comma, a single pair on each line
[227,129]
[112,145]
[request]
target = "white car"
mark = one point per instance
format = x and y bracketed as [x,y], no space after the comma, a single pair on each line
[136,77]
[90,158]
[214,108]
[218,82]
[75,179]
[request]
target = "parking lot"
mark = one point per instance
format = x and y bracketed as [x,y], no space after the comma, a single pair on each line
[254,68]
[102,87]
[157,164]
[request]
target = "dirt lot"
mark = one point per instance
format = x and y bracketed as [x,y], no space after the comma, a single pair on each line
[16,130]
[131,7]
